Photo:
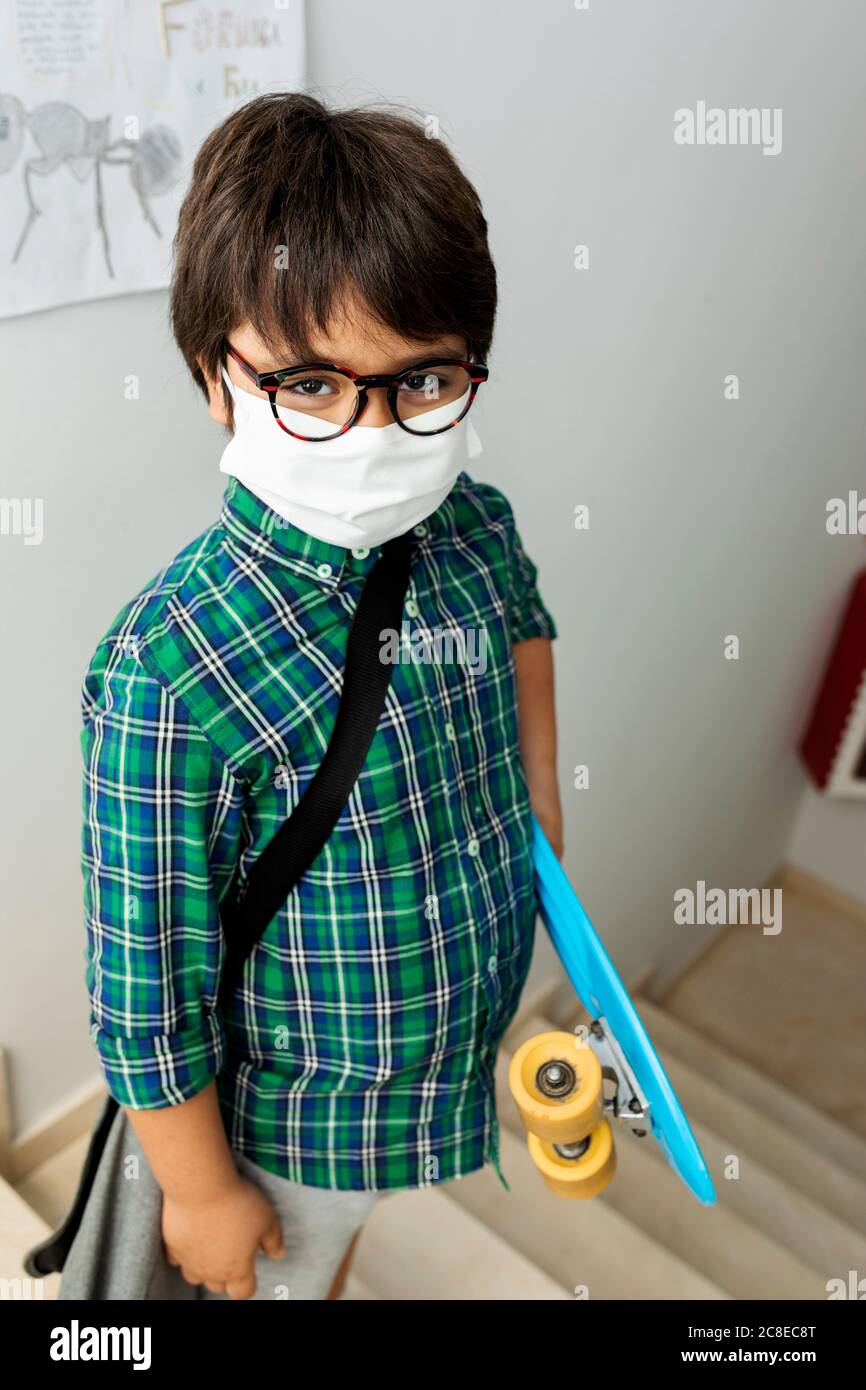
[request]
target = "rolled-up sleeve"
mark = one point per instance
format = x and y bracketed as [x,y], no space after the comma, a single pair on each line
[162,819]
[530,616]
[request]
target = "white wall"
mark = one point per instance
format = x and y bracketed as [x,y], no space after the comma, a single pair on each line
[707,516]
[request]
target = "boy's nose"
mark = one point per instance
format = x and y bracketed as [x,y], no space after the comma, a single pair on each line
[377,412]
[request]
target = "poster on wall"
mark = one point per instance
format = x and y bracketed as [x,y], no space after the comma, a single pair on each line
[103,105]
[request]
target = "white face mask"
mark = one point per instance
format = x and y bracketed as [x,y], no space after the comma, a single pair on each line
[359,489]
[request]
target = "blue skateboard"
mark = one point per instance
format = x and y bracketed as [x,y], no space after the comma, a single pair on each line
[557,1079]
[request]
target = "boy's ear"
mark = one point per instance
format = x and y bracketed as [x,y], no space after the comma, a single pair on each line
[216,395]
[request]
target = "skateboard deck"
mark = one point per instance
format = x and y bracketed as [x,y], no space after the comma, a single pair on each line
[623,1040]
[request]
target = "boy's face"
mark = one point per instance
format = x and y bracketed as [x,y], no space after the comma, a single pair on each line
[354,339]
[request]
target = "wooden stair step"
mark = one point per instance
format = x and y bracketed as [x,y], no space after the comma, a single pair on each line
[737,1078]
[421,1245]
[20,1229]
[356,1292]
[580,1244]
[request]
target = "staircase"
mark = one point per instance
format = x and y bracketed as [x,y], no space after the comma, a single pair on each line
[790,1215]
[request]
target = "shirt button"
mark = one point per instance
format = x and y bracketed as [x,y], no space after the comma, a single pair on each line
[323,571]
[361,552]
[420,529]
[411,608]
[473,846]
[449,731]
[491,965]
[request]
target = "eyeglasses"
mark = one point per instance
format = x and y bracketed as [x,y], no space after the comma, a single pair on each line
[319,400]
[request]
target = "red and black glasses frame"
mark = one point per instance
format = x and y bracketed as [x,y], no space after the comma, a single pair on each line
[270,382]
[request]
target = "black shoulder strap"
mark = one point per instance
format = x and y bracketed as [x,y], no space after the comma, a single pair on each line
[301,838]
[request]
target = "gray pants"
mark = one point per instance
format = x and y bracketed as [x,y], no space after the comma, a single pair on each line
[318,1224]
[118,1252]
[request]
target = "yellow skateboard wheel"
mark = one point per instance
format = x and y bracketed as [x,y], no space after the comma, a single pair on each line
[583,1176]
[556,1082]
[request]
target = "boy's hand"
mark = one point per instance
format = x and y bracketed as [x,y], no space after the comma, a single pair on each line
[215,1242]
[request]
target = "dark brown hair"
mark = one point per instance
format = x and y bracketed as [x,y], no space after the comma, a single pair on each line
[360,201]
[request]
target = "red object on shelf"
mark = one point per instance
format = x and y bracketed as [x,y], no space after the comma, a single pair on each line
[834,745]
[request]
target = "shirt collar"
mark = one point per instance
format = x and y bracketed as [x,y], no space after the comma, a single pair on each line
[267,535]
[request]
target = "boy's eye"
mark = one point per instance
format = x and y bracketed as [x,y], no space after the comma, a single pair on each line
[328,399]
[440,384]
[431,385]
[310,387]
[326,393]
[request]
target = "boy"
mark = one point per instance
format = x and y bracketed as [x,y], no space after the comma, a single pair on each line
[315,249]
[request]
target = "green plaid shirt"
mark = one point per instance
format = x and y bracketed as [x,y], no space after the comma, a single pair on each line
[359,1048]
